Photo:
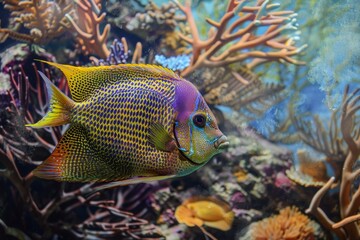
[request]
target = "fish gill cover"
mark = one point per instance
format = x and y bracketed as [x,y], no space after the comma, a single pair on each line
[281,78]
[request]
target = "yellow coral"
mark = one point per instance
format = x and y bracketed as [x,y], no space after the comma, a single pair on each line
[290,224]
[205,211]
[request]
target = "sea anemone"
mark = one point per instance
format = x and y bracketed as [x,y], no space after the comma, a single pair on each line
[289,224]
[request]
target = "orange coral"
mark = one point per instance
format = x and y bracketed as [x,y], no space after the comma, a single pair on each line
[290,224]
[89,37]
[234,38]
[311,173]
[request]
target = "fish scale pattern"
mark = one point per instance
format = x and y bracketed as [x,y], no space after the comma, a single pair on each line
[118,118]
[82,88]
[84,163]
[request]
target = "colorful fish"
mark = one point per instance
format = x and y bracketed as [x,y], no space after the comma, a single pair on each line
[131,122]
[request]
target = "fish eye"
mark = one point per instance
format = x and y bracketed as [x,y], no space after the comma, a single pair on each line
[199,120]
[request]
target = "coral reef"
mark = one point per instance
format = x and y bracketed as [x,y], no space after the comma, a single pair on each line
[247,60]
[45,20]
[239,89]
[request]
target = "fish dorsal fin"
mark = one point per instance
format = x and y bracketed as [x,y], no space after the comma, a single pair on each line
[84,81]
[75,160]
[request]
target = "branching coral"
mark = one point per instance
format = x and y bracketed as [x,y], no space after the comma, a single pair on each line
[349,195]
[237,36]
[45,19]
[87,26]
[289,224]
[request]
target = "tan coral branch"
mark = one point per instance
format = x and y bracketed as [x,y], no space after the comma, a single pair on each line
[90,38]
[321,216]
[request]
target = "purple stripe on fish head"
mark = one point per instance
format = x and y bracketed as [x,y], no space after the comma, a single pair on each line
[186,100]
[186,95]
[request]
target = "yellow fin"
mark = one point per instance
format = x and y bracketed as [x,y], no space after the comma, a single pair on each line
[160,138]
[84,81]
[59,109]
[80,87]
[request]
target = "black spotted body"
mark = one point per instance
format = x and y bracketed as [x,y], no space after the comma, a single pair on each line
[118,119]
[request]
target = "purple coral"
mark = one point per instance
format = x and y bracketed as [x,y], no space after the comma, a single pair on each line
[118,54]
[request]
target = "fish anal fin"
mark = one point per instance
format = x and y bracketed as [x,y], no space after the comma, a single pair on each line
[160,138]
[74,159]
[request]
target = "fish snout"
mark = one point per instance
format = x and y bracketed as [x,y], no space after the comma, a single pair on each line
[221,143]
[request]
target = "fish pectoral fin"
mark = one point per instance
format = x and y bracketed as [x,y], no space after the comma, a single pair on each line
[128,182]
[160,138]
[74,159]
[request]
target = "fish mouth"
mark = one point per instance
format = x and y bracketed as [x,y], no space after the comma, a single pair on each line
[221,143]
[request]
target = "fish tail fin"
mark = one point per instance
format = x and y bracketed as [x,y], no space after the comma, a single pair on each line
[59,109]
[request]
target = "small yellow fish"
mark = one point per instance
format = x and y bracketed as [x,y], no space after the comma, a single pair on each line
[129,122]
[205,211]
